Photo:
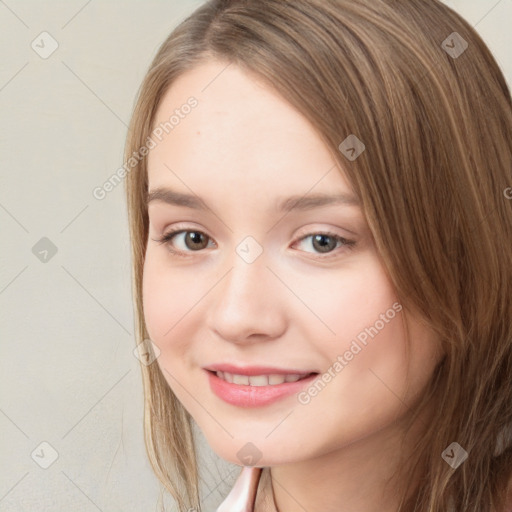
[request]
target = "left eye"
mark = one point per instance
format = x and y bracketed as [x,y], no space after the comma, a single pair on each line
[195,241]
[326,242]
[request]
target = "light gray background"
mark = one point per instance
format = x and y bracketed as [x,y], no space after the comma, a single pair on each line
[68,374]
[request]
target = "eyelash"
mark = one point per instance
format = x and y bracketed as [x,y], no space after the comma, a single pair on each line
[167,238]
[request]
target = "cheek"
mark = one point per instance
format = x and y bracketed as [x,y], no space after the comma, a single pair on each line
[167,298]
[366,348]
[383,366]
[355,303]
[155,297]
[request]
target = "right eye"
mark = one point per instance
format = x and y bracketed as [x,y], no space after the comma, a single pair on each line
[191,241]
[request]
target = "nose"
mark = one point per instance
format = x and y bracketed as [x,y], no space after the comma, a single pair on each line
[247,305]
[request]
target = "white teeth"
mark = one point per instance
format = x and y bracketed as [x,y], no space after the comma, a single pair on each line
[276,379]
[240,379]
[258,380]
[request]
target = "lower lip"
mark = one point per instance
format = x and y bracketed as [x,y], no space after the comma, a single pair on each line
[255,396]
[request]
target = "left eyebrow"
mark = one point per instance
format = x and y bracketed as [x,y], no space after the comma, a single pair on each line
[283,204]
[311,201]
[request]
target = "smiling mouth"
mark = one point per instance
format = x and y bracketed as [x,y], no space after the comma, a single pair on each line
[272,379]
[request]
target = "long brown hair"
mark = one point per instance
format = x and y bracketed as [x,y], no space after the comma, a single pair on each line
[415,83]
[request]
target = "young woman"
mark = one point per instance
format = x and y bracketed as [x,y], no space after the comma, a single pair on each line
[320,206]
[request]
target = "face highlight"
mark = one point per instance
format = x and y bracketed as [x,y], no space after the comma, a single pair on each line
[259,255]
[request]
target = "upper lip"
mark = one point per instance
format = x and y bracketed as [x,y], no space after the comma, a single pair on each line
[255,370]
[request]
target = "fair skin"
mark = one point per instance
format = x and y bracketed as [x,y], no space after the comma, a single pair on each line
[240,150]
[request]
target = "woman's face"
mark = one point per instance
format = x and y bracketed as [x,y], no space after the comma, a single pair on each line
[267,284]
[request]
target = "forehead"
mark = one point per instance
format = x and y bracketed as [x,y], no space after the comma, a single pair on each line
[240,134]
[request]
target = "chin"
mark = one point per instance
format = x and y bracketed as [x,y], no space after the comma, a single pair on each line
[247,453]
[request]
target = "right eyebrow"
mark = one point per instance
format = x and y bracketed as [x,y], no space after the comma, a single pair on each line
[166,195]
